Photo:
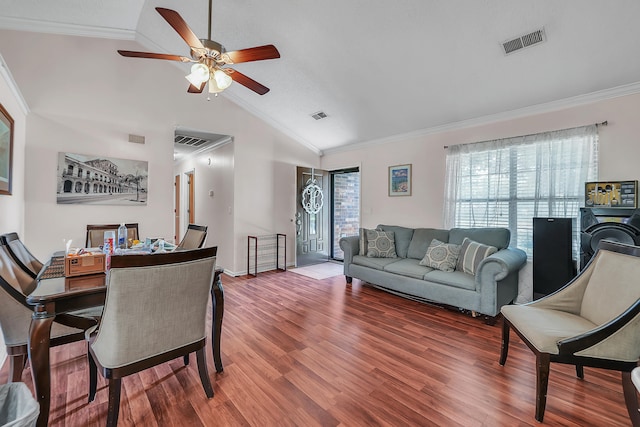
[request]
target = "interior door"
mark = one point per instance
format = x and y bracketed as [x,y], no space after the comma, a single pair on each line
[176,210]
[191,185]
[312,216]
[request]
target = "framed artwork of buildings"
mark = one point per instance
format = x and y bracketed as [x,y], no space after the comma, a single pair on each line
[101,180]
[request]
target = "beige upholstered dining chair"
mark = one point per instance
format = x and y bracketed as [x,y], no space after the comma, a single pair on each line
[21,255]
[95,233]
[15,315]
[592,321]
[165,297]
[194,238]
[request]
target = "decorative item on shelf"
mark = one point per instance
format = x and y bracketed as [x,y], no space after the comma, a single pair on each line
[611,194]
[400,180]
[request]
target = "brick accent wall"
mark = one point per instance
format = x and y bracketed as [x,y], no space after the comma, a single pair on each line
[346,208]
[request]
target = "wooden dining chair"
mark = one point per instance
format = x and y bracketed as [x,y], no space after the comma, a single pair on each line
[21,255]
[15,315]
[194,238]
[165,297]
[95,233]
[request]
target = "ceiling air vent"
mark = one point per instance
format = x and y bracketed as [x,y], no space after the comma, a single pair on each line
[527,40]
[190,141]
[319,115]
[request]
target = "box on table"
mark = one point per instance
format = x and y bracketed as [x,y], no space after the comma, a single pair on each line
[78,265]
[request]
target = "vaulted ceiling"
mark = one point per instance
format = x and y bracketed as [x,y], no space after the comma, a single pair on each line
[379,69]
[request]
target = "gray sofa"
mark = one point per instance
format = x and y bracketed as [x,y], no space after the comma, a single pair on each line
[495,282]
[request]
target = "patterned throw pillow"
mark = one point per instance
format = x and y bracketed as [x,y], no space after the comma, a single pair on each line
[471,253]
[441,256]
[381,244]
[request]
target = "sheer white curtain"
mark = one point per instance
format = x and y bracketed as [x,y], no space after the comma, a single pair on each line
[507,182]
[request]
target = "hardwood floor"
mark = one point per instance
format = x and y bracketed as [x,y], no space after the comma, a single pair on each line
[304,352]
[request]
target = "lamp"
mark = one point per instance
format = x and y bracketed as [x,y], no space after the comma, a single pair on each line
[199,74]
[219,81]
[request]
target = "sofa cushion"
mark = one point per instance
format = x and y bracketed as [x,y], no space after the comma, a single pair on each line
[421,240]
[456,279]
[441,256]
[381,244]
[363,242]
[375,263]
[402,235]
[408,267]
[498,237]
[471,254]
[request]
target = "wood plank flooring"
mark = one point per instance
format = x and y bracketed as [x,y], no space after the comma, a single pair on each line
[304,352]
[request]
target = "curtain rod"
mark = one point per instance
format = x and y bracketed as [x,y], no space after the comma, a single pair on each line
[605,123]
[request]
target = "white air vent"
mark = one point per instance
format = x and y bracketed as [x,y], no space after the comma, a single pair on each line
[138,139]
[319,115]
[527,40]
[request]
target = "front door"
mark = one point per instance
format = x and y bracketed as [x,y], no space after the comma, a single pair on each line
[312,216]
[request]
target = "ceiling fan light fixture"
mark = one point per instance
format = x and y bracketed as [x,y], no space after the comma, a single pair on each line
[223,80]
[199,74]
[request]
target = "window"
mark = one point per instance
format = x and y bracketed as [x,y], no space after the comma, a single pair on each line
[508,182]
[345,207]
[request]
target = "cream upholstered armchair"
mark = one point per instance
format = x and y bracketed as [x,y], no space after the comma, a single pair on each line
[164,297]
[194,237]
[592,321]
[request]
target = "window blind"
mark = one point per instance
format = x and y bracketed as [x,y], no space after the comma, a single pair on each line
[508,182]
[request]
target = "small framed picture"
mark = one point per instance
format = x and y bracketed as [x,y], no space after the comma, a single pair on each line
[6,151]
[400,180]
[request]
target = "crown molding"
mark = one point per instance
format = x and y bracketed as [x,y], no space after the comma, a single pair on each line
[36,26]
[13,87]
[562,104]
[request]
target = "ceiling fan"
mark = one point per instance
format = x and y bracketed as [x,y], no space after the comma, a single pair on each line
[210,58]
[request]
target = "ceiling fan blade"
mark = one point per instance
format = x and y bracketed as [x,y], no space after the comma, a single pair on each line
[258,53]
[175,20]
[248,82]
[195,89]
[134,54]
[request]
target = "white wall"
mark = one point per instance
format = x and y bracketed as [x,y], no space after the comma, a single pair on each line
[212,211]
[12,206]
[89,102]
[619,154]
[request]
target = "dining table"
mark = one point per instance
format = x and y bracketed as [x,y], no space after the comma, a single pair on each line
[56,295]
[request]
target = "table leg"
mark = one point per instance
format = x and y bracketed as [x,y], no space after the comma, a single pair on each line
[217,305]
[39,343]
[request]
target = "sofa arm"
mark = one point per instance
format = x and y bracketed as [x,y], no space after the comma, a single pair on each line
[502,263]
[350,245]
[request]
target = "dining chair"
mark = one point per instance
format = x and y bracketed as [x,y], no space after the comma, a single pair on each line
[194,238]
[15,315]
[95,233]
[21,255]
[165,297]
[592,321]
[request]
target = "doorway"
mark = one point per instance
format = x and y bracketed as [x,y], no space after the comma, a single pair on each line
[312,216]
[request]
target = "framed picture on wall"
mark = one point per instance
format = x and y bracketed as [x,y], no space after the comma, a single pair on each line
[400,180]
[100,180]
[6,151]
